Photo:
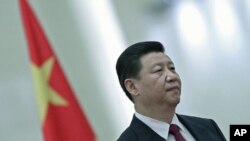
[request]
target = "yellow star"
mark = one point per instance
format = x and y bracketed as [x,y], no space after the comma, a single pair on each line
[44,93]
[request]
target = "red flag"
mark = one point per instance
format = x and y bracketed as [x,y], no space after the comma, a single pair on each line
[60,114]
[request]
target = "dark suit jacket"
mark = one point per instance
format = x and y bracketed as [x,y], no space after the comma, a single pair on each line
[201,129]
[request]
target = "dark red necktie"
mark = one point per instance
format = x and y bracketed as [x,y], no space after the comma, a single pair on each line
[175,131]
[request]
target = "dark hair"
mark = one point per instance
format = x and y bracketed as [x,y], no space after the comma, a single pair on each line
[128,64]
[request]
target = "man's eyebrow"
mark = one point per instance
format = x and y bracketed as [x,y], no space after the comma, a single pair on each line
[169,62]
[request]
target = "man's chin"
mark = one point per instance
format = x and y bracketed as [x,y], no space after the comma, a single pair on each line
[174,102]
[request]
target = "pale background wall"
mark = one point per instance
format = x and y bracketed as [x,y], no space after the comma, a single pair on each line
[211,53]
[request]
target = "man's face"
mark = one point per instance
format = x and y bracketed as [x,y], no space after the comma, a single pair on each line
[158,83]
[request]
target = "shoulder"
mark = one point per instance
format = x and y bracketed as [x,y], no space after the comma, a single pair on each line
[128,135]
[193,118]
[196,120]
[201,124]
[206,127]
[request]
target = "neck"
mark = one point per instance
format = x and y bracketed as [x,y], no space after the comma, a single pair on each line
[164,113]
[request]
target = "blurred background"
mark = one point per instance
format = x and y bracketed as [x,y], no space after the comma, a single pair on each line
[207,39]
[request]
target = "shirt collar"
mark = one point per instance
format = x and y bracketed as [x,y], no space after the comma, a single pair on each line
[160,127]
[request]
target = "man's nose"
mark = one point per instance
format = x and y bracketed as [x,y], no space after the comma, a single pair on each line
[171,76]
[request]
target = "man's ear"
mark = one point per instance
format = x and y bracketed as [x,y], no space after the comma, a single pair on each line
[131,87]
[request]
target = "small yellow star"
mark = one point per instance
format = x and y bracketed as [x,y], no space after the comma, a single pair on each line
[44,93]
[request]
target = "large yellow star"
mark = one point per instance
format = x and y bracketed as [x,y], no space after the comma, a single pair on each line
[44,93]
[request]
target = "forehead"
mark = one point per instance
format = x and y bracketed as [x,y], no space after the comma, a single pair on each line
[155,58]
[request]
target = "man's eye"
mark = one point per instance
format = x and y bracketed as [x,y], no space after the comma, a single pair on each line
[172,68]
[158,70]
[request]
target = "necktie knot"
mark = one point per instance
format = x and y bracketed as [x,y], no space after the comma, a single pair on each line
[175,131]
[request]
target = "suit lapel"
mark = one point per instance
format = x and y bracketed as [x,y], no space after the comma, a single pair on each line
[191,128]
[144,132]
[197,128]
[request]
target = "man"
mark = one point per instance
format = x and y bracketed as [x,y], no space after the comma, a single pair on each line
[150,81]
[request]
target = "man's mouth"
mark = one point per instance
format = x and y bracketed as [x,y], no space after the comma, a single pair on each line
[173,88]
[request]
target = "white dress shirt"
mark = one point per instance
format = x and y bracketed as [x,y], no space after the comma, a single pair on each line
[162,128]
